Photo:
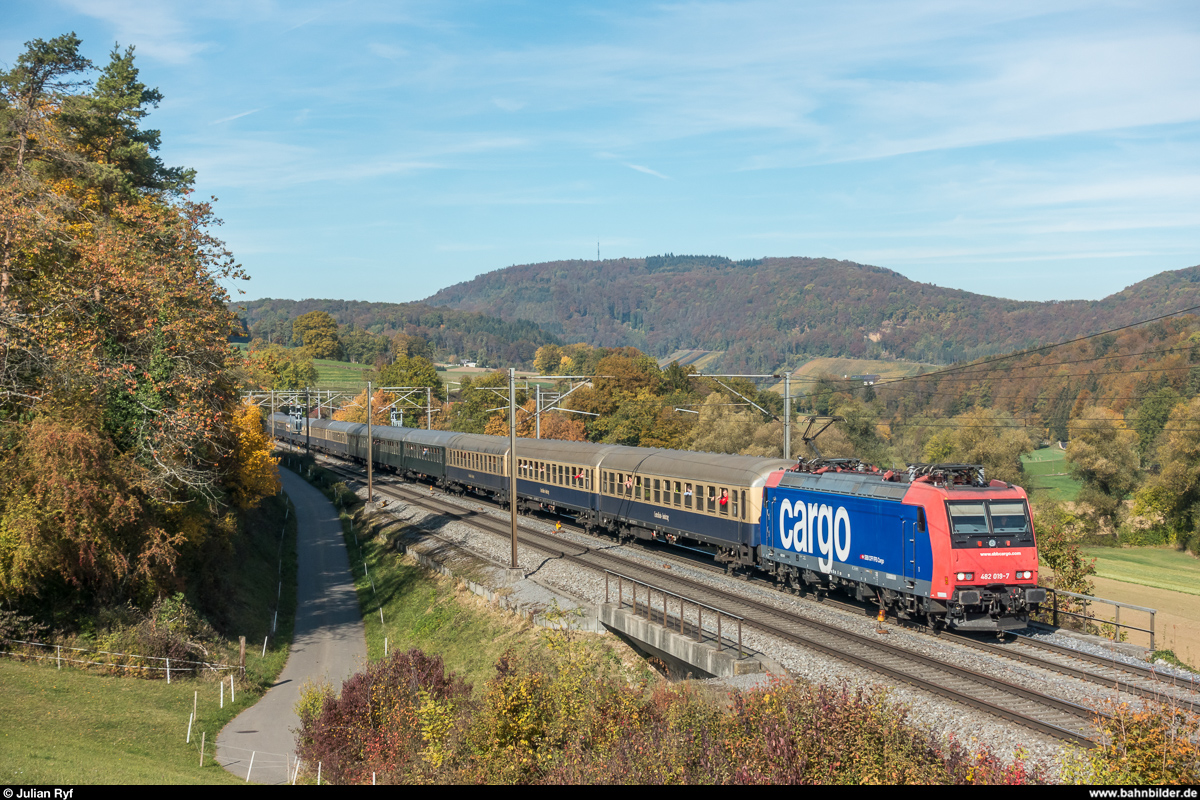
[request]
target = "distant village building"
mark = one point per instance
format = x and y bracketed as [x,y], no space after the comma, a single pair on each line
[469,363]
[868,380]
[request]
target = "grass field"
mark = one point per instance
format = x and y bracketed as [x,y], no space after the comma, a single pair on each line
[1159,567]
[1152,577]
[1046,475]
[341,374]
[77,727]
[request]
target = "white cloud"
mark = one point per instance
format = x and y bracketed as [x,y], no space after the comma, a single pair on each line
[235,116]
[646,170]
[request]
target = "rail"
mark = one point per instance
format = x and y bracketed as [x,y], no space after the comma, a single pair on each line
[684,602]
[1115,622]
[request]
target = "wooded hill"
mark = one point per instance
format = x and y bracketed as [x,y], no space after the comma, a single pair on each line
[774,311]
[450,333]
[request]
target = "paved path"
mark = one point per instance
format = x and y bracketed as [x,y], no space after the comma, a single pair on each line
[330,642]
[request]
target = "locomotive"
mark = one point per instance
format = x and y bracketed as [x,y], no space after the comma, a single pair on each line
[935,542]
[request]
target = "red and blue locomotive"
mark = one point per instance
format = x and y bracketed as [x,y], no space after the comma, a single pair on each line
[936,542]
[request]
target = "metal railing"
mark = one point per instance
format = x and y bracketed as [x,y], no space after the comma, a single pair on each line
[1086,618]
[684,603]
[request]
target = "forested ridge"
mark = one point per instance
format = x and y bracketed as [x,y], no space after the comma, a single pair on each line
[769,313]
[450,333]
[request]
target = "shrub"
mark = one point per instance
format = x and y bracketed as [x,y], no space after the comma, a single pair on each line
[375,724]
[1156,744]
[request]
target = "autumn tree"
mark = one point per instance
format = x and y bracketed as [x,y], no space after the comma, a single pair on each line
[253,472]
[356,409]
[280,368]
[1102,454]
[70,515]
[982,436]
[116,379]
[317,332]
[1174,494]
[548,359]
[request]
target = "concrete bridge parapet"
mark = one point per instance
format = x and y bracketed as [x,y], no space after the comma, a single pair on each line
[681,650]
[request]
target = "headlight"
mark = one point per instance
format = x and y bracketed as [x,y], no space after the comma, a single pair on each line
[965,576]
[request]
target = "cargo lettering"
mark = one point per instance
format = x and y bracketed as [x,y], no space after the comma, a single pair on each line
[805,527]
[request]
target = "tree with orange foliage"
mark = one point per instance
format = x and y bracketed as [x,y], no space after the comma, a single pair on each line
[555,425]
[356,410]
[116,387]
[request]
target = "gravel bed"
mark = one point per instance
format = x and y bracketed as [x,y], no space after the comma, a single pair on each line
[1097,647]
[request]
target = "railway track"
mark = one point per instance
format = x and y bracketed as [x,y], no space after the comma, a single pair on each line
[1035,710]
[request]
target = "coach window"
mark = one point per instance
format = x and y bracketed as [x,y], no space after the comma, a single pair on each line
[687,495]
[657,492]
[678,495]
[712,500]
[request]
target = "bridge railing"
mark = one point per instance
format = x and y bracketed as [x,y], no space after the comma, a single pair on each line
[647,607]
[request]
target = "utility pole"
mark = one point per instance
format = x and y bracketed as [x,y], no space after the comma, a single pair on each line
[428,408]
[370,454]
[787,415]
[512,458]
[306,402]
[538,407]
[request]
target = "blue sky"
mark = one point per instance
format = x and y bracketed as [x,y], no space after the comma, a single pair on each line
[384,150]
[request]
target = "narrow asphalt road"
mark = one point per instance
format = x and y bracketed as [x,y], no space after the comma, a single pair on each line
[329,644]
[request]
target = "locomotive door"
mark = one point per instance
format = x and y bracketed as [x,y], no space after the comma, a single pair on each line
[908,531]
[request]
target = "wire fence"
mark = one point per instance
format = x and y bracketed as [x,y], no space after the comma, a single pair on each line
[113,662]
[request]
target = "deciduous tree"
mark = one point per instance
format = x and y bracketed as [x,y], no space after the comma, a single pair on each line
[317,332]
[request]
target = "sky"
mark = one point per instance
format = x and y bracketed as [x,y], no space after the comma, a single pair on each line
[382,151]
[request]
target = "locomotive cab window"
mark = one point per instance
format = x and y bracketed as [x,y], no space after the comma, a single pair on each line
[994,523]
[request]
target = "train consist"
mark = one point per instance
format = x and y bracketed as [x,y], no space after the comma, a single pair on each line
[936,541]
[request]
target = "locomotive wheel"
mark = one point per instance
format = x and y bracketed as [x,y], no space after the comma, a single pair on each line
[931,622]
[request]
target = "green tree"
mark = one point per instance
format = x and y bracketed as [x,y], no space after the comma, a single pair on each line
[472,413]
[724,427]
[105,127]
[1174,494]
[1151,418]
[363,347]
[1103,456]
[412,372]
[317,332]
[406,346]
[982,436]
[280,368]
[860,426]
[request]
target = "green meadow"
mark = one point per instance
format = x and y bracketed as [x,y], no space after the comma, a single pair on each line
[1046,475]
[1159,567]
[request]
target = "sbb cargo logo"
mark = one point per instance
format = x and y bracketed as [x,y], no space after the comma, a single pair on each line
[808,527]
